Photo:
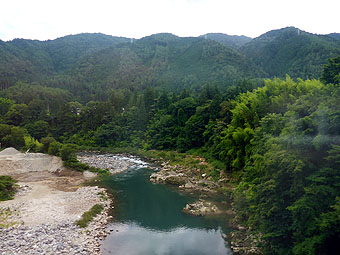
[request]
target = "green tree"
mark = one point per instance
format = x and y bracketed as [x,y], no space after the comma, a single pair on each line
[15,138]
[331,71]
[38,129]
[47,141]
[68,152]
[17,115]
[5,105]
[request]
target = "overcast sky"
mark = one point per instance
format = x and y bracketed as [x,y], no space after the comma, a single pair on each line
[45,19]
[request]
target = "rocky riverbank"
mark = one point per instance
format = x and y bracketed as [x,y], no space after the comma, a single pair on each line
[186,179]
[48,226]
[50,199]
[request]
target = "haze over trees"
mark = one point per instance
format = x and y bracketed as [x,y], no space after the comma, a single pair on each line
[226,98]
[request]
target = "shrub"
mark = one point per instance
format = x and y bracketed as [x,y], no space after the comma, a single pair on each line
[54,148]
[68,152]
[76,165]
[32,144]
[47,141]
[7,187]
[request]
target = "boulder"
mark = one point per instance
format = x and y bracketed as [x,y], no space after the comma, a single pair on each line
[201,208]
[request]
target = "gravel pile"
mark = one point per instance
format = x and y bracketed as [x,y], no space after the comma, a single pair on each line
[14,162]
[10,151]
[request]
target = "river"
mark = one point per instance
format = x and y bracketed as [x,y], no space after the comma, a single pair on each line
[148,220]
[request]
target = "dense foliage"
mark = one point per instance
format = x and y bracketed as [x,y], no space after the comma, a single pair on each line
[284,138]
[278,139]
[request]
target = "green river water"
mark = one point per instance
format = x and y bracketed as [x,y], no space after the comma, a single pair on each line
[148,220]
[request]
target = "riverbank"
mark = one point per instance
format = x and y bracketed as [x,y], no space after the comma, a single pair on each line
[50,199]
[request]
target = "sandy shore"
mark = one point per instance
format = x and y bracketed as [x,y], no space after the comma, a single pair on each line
[40,219]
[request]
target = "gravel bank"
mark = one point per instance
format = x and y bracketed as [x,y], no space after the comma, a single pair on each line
[41,218]
[54,232]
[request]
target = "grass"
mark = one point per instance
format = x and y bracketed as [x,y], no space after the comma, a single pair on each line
[88,216]
[5,218]
[103,196]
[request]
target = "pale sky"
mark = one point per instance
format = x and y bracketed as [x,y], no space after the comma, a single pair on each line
[45,19]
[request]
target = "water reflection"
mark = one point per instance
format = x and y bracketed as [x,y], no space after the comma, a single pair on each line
[130,239]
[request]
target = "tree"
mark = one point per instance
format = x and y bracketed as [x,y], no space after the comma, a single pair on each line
[5,105]
[331,71]
[15,138]
[17,114]
[47,141]
[68,152]
[38,129]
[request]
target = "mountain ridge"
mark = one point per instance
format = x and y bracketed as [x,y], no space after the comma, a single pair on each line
[96,60]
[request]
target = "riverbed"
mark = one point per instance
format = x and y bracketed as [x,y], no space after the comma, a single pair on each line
[148,219]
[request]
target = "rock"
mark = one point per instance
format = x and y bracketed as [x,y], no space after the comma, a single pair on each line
[201,208]
[169,177]
[90,175]
[188,185]
[175,180]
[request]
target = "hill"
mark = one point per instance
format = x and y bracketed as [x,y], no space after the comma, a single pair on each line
[334,35]
[291,51]
[165,60]
[34,61]
[89,65]
[233,41]
[68,50]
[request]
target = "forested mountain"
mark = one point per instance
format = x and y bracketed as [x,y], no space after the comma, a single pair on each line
[90,65]
[65,52]
[291,51]
[168,61]
[335,35]
[24,60]
[234,41]
[34,61]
